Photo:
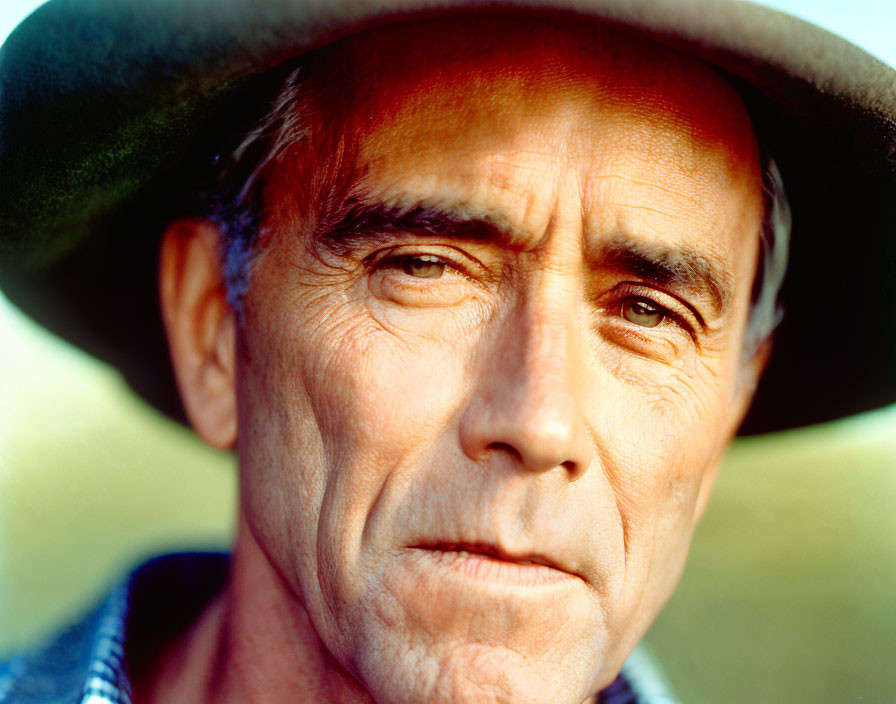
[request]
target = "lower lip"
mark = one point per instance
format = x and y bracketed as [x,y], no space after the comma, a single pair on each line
[488,569]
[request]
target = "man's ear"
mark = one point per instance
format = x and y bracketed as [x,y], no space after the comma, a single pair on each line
[201,328]
[747,382]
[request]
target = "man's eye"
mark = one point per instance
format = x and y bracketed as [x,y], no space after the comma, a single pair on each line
[642,312]
[422,266]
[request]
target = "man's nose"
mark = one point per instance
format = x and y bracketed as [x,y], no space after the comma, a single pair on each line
[529,400]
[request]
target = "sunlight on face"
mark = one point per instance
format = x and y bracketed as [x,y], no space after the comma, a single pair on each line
[479,418]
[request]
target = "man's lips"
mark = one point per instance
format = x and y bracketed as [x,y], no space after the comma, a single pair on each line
[491,551]
[474,558]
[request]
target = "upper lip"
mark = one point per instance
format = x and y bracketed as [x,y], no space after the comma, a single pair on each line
[495,552]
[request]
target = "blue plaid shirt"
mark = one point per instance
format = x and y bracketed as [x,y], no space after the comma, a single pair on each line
[85,664]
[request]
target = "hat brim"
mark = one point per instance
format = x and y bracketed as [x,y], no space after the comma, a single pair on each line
[100,100]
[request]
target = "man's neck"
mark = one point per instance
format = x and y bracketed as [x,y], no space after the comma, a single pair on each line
[253,643]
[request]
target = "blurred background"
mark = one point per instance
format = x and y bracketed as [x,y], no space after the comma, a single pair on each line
[790,590]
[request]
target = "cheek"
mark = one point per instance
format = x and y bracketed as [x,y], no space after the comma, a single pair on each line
[659,440]
[382,380]
[338,396]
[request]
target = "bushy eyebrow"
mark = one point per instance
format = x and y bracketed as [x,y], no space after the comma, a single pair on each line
[674,267]
[360,222]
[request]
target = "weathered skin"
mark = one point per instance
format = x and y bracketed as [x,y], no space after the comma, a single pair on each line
[508,395]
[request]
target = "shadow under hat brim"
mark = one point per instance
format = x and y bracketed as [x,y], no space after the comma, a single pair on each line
[102,102]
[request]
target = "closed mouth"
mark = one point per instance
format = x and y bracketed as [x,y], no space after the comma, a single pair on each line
[493,552]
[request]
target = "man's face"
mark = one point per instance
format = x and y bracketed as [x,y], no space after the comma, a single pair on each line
[479,420]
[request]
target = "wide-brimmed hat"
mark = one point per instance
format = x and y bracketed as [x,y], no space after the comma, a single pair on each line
[104,103]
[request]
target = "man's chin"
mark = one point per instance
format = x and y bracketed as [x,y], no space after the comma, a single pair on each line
[462,673]
[481,632]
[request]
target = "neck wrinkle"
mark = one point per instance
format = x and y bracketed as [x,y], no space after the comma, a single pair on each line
[268,650]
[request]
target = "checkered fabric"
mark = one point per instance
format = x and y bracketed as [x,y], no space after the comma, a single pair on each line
[82,666]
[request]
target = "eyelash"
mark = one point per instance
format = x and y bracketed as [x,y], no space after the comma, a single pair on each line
[631,291]
[393,258]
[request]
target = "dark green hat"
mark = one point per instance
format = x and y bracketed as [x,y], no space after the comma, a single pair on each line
[103,102]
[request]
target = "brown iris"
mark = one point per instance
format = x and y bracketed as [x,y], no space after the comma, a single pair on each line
[642,312]
[423,266]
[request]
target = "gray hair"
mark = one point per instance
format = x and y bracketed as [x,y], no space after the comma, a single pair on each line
[237,204]
[237,209]
[766,311]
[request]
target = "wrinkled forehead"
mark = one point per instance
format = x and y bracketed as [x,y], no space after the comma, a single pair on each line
[430,78]
[493,118]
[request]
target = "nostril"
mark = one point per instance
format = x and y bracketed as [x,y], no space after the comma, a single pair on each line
[504,447]
[537,432]
[535,458]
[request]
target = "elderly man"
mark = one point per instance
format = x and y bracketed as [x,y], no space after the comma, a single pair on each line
[479,299]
